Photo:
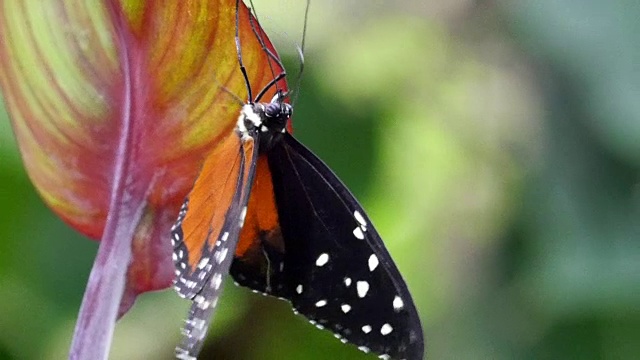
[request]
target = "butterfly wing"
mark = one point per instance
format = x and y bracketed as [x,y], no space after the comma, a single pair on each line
[258,262]
[332,265]
[207,230]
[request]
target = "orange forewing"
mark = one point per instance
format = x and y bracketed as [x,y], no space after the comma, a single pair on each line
[211,197]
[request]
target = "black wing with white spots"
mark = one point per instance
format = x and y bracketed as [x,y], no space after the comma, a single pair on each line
[334,267]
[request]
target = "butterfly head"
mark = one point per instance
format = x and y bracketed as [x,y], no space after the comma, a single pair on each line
[276,113]
[268,119]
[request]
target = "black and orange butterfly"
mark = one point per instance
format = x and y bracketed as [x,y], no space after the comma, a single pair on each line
[266,210]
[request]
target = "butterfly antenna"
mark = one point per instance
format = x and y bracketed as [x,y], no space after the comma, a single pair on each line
[239,53]
[301,53]
[230,93]
[270,84]
[261,41]
[270,55]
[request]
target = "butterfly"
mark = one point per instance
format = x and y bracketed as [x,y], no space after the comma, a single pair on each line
[270,213]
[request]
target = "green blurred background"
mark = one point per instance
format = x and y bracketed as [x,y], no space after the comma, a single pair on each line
[496,145]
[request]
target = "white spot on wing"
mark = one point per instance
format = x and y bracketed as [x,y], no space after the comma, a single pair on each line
[366,329]
[203,262]
[363,288]
[202,302]
[322,260]
[359,218]
[216,281]
[386,329]
[398,304]
[220,256]
[357,232]
[204,305]
[373,262]
[321,303]
[347,282]
[198,324]
[299,289]
[345,308]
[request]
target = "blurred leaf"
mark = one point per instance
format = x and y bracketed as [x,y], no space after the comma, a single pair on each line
[587,200]
[595,45]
